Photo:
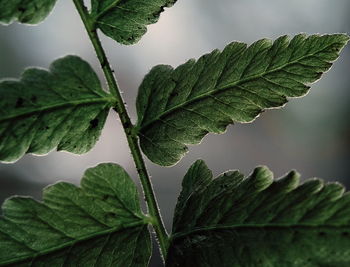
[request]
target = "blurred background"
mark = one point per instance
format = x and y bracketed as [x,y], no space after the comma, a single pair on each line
[311,134]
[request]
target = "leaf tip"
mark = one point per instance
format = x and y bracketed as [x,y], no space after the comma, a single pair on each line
[263,177]
[336,190]
[290,181]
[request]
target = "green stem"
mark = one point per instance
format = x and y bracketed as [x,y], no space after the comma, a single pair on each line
[131,136]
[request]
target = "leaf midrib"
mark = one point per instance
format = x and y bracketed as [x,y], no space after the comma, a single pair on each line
[258,226]
[73,242]
[62,105]
[230,85]
[106,10]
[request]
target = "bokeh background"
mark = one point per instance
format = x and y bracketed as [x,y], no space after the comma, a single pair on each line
[311,135]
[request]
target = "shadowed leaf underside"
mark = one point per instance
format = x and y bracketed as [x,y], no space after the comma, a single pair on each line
[258,221]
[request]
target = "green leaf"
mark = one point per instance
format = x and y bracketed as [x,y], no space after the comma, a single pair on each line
[64,108]
[25,11]
[99,224]
[125,20]
[177,107]
[256,221]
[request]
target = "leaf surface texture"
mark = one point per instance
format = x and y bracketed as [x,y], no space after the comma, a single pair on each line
[25,11]
[98,224]
[177,107]
[125,20]
[258,221]
[63,108]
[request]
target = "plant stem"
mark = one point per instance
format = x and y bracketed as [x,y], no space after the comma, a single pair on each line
[131,136]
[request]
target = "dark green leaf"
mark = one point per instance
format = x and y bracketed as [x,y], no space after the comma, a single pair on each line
[99,224]
[196,179]
[64,108]
[256,221]
[125,20]
[25,11]
[180,106]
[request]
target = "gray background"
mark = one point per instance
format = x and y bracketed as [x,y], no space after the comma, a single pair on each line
[310,135]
